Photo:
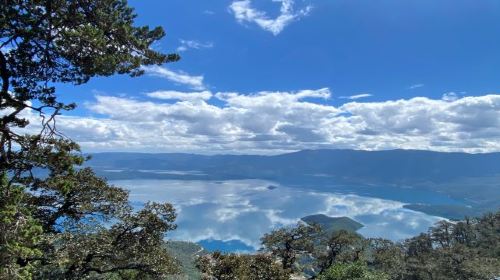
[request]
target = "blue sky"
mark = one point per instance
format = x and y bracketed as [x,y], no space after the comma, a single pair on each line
[441,59]
[379,47]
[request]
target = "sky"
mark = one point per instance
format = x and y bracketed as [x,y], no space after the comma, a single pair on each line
[275,76]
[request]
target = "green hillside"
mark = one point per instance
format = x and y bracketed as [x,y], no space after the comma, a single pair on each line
[331,224]
[186,253]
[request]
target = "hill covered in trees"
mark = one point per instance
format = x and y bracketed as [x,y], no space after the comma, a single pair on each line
[332,224]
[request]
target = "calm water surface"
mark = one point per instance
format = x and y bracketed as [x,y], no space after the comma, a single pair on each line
[233,215]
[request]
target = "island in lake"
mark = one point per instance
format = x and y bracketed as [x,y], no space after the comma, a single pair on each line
[332,224]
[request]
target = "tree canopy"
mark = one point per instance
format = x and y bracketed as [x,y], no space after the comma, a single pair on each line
[57,219]
[467,249]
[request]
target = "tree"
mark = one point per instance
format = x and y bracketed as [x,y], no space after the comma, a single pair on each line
[335,244]
[134,245]
[387,257]
[55,216]
[442,234]
[462,250]
[287,243]
[48,42]
[19,233]
[351,271]
[240,267]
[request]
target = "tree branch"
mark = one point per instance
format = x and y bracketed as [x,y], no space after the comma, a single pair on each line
[4,75]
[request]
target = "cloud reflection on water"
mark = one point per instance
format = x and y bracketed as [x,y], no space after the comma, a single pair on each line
[246,209]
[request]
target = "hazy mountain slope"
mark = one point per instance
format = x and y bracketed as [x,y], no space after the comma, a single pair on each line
[473,179]
[394,167]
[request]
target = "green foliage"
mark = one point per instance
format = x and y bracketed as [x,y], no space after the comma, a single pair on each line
[187,253]
[288,243]
[351,271]
[338,246]
[241,267]
[43,43]
[468,249]
[57,219]
[86,228]
[20,233]
[72,41]
[387,256]
[132,245]
[332,224]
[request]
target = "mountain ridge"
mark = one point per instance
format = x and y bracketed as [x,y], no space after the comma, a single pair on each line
[390,166]
[454,174]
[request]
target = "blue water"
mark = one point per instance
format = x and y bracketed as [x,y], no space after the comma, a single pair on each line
[403,194]
[233,215]
[212,245]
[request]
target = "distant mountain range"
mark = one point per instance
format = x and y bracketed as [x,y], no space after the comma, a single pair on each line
[472,178]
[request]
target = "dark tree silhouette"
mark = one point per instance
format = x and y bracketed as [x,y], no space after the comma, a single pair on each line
[59,221]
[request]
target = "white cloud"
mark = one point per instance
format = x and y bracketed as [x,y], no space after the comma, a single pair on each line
[194,82]
[276,122]
[415,86]
[244,12]
[178,95]
[357,96]
[450,96]
[193,44]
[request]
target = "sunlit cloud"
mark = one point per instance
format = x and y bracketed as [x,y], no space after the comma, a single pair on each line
[194,82]
[178,95]
[271,122]
[357,96]
[245,13]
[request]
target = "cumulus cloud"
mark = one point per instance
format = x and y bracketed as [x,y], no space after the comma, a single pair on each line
[194,82]
[245,13]
[272,122]
[357,96]
[178,95]
[193,44]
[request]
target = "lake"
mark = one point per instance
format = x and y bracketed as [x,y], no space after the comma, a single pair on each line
[232,215]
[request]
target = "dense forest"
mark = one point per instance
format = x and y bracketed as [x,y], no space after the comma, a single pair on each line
[468,249]
[59,220]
